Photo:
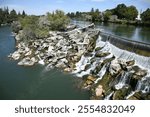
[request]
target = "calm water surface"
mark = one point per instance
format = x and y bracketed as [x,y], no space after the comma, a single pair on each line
[141,34]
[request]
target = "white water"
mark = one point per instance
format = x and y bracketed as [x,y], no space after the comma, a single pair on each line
[80,66]
[101,73]
[108,96]
[41,61]
[132,93]
[92,67]
[143,85]
[126,55]
[122,81]
[141,61]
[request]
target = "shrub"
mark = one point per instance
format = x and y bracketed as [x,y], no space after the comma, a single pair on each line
[16,26]
[58,20]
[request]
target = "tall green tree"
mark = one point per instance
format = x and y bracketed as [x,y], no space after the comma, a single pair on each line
[131,13]
[107,15]
[13,15]
[120,11]
[23,13]
[146,16]
[1,16]
[95,14]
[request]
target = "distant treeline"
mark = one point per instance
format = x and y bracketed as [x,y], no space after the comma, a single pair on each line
[120,14]
[7,17]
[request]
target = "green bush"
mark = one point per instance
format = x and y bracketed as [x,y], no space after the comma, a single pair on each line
[16,26]
[34,27]
[41,32]
[58,20]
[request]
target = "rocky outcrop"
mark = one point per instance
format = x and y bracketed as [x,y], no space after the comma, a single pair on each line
[60,49]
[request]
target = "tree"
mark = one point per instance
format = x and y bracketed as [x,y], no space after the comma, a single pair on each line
[95,15]
[120,11]
[1,16]
[131,13]
[13,15]
[146,16]
[107,15]
[23,13]
[58,20]
[92,10]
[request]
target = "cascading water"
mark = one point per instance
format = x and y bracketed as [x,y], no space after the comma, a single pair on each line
[81,64]
[109,96]
[92,67]
[120,54]
[101,73]
[123,80]
[143,85]
[126,55]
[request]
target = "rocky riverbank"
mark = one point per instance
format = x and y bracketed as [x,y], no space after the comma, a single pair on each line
[81,52]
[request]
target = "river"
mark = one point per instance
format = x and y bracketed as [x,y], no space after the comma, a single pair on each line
[18,82]
[131,32]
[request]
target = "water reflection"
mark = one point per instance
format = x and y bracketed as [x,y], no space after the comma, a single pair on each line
[131,32]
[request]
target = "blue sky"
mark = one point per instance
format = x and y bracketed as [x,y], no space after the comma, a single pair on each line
[39,7]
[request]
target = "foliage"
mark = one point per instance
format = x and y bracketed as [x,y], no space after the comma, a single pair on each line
[58,20]
[95,15]
[31,28]
[34,27]
[107,15]
[131,13]
[124,12]
[16,26]
[146,16]
[120,11]
[7,17]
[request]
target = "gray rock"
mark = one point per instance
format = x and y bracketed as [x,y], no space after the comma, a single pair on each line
[114,68]
[16,55]
[27,62]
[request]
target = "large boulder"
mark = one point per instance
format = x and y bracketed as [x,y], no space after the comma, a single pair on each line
[114,68]
[16,55]
[102,54]
[121,93]
[99,91]
[27,62]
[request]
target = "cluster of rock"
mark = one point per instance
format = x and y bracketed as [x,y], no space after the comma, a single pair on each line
[60,49]
[77,51]
[110,77]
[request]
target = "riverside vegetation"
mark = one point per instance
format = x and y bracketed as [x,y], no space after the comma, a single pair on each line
[52,41]
[121,14]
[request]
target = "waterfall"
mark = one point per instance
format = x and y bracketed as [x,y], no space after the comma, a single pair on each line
[101,73]
[132,93]
[142,61]
[122,81]
[143,85]
[99,42]
[123,54]
[92,67]
[80,66]
[109,96]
